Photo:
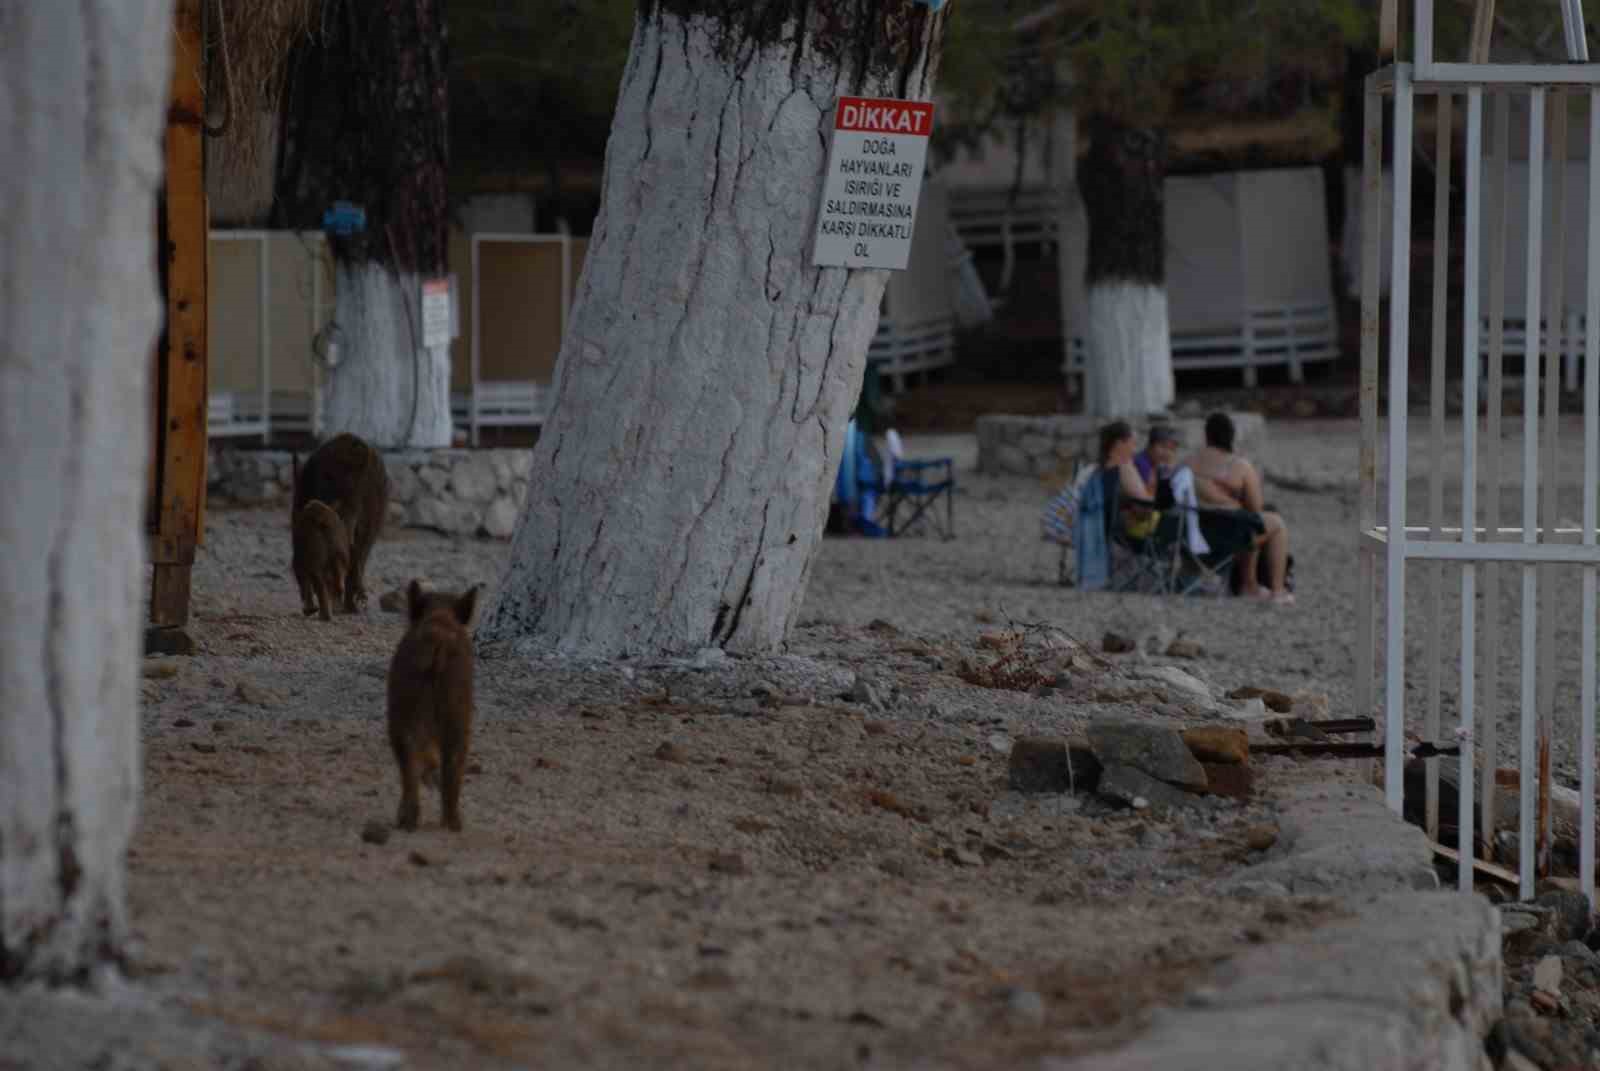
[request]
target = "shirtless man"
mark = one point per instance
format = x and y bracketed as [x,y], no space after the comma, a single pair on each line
[1224,479]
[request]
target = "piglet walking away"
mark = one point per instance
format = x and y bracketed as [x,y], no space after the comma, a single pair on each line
[321,558]
[430,700]
[349,476]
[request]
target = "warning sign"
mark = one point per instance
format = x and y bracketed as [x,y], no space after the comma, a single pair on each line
[436,312]
[869,195]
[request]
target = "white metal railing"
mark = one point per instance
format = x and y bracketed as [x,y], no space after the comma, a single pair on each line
[261,410]
[1480,540]
[508,403]
[906,346]
[1569,344]
[1266,336]
[227,413]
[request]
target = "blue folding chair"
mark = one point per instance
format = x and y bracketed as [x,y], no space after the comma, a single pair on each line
[919,486]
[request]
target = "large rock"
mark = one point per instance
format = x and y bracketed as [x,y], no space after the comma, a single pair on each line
[1156,748]
[403,483]
[1218,743]
[473,478]
[500,519]
[1139,790]
[1051,764]
[451,518]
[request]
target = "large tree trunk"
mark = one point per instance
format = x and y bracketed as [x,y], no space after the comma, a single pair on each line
[366,121]
[680,489]
[1130,354]
[83,90]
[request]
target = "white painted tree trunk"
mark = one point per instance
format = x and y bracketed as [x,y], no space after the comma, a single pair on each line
[82,100]
[679,491]
[1130,366]
[383,371]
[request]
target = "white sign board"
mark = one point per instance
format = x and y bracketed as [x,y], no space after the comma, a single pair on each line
[874,176]
[435,312]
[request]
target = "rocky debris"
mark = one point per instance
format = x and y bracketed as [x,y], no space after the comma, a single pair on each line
[1571,919]
[160,670]
[1312,705]
[1185,649]
[1052,764]
[1547,975]
[1277,702]
[728,863]
[1229,780]
[1157,639]
[252,694]
[1185,685]
[375,832]
[1116,643]
[1222,744]
[671,752]
[1024,1007]
[1260,838]
[1154,748]
[1292,728]
[963,857]
[393,602]
[1137,789]
[866,694]
[1249,710]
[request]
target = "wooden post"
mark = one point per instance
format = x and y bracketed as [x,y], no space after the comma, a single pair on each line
[180,449]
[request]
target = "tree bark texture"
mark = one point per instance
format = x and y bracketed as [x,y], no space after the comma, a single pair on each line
[1128,337]
[679,491]
[82,100]
[366,120]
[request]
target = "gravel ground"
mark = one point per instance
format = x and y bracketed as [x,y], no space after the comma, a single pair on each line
[809,860]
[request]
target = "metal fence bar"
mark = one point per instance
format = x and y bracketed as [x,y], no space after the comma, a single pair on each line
[1473,162]
[264,299]
[1438,330]
[1399,353]
[1553,350]
[1496,406]
[1591,473]
[1367,462]
[1530,493]
[1422,32]
[475,359]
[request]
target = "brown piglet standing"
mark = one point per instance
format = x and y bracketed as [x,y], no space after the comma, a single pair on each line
[321,558]
[430,700]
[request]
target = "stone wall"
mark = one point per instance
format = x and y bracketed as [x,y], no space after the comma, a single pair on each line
[1055,445]
[458,492]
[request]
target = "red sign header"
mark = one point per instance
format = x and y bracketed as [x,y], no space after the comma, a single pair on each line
[868,116]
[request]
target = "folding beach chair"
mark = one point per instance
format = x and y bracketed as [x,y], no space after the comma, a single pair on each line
[1060,517]
[919,486]
[1229,533]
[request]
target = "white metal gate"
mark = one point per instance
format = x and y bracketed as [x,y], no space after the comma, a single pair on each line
[1480,541]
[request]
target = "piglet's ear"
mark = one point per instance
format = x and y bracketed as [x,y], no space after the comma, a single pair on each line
[414,600]
[465,605]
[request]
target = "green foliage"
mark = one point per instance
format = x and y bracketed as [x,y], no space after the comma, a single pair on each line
[533,83]
[1143,61]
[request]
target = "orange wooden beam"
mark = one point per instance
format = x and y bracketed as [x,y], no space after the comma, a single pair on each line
[181,446]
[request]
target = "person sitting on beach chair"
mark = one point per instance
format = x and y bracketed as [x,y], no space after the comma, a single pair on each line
[1226,480]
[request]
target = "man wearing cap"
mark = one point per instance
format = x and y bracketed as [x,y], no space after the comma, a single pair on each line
[1156,460]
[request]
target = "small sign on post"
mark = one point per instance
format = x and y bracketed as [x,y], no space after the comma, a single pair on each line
[436,327]
[874,177]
